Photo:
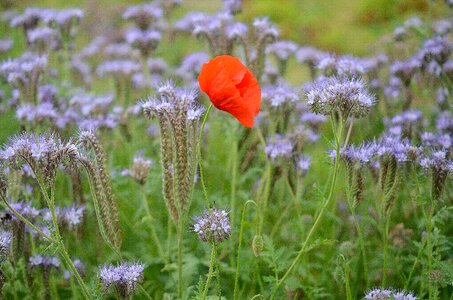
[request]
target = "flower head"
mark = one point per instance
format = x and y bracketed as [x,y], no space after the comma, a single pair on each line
[213,226]
[231,88]
[339,94]
[124,277]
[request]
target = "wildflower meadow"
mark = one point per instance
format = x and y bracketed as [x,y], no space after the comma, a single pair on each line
[235,149]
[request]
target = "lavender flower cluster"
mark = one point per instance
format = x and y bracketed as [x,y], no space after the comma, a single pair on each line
[212,226]
[125,277]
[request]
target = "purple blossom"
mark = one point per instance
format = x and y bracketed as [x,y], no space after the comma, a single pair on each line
[232,6]
[25,209]
[280,95]
[405,69]
[124,277]
[303,164]
[437,49]
[279,148]
[144,15]
[30,18]
[119,50]
[442,27]
[157,66]
[118,68]
[191,65]
[264,28]
[282,49]
[309,55]
[212,226]
[145,40]
[444,121]
[5,243]
[44,261]
[362,154]
[312,118]
[388,294]
[339,94]
[5,45]
[341,65]
[189,21]
[236,31]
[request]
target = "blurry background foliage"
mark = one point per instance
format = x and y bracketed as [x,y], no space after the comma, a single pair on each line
[356,27]
[351,26]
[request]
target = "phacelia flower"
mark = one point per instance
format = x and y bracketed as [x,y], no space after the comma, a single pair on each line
[231,88]
[5,243]
[339,94]
[213,226]
[124,277]
[388,294]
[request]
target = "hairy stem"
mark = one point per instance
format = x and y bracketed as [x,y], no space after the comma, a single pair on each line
[211,268]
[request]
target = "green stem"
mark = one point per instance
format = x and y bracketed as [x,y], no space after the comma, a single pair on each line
[205,193]
[429,248]
[238,259]
[347,281]
[23,219]
[180,292]
[361,241]
[385,241]
[338,139]
[211,267]
[152,228]
[234,154]
[419,254]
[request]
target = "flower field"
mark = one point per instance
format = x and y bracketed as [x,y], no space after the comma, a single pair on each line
[227,149]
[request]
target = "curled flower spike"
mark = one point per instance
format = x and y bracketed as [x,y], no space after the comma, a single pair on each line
[232,88]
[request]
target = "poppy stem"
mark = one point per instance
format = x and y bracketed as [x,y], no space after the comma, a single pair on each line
[205,193]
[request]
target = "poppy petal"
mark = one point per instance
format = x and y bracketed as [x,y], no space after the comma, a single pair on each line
[231,87]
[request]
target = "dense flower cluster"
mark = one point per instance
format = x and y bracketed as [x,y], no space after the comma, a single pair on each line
[212,226]
[348,97]
[124,277]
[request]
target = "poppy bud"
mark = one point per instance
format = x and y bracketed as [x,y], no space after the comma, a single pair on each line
[257,245]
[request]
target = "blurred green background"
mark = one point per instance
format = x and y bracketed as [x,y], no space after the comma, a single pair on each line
[352,26]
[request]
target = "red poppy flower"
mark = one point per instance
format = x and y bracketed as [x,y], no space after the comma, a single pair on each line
[231,88]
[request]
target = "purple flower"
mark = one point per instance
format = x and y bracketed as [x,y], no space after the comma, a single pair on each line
[144,15]
[236,31]
[279,148]
[388,294]
[444,121]
[191,65]
[145,40]
[30,18]
[303,164]
[5,243]
[280,95]
[310,55]
[25,209]
[341,65]
[124,277]
[282,49]
[119,50]
[44,261]
[339,94]
[5,45]
[405,69]
[264,28]
[442,27]
[437,49]
[312,118]
[118,68]
[212,226]
[232,6]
